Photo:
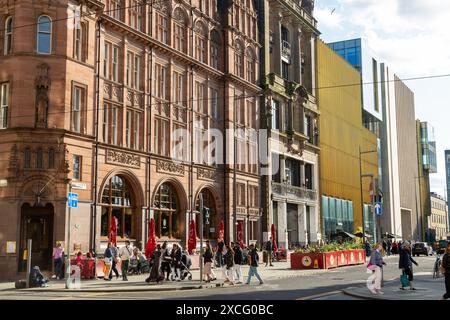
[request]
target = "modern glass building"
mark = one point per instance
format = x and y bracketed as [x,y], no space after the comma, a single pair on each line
[428,143]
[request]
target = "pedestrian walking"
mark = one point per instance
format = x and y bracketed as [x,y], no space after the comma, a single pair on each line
[229,261]
[108,257]
[446,268]
[176,262]
[207,261]
[253,262]
[238,261]
[166,260]
[156,274]
[394,248]
[125,254]
[405,264]
[115,260]
[376,264]
[388,247]
[58,261]
[269,251]
[367,247]
[220,260]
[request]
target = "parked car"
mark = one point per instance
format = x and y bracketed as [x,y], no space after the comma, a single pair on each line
[422,248]
[440,246]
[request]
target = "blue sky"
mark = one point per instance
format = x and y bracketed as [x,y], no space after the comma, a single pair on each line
[413,38]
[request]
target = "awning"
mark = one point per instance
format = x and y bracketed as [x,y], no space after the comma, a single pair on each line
[345,234]
[361,235]
[391,236]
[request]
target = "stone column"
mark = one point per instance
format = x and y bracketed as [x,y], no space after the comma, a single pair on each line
[282,225]
[302,227]
[314,223]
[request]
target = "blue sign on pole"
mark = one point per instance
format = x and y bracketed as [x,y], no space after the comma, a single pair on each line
[72,200]
[378,209]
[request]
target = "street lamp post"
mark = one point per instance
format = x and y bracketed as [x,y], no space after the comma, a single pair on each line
[361,176]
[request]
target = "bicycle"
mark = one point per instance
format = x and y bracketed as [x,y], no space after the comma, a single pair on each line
[437,266]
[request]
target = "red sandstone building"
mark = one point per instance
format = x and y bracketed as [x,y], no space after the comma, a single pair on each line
[100,101]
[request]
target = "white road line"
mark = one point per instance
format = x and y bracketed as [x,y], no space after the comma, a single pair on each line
[320,295]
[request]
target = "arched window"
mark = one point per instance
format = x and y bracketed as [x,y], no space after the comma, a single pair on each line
[238,60]
[27,158]
[51,158]
[215,47]
[250,65]
[200,42]
[39,158]
[210,223]
[8,35]
[44,35]
[179,30]
[117,201]
[166,212]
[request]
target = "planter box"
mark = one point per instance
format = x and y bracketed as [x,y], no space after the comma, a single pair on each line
[304,261]
[342,258]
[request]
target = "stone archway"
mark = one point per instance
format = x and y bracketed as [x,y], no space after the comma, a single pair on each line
[121,197]
[211,200]
[169,205]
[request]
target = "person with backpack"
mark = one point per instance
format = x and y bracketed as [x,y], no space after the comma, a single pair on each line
[238,261]
[405,263]
[166,260]
[176,262]
[115,260]
[253,262]
[445,268]
[229,262]
[125,254]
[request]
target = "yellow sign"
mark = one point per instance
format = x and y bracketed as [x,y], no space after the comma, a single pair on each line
[25,254]
[316,264]
[10,247]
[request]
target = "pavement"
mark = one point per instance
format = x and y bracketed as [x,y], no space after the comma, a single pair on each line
[280,270]
[426,287]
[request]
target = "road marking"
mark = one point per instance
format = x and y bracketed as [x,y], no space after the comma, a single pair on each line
[320,295]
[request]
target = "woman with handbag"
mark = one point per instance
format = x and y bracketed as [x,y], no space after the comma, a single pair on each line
[207,259]
[405,263]
[376,265]
[108,256]
[445,269]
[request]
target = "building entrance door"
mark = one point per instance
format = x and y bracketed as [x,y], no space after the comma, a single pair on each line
[292,224]
[37,224]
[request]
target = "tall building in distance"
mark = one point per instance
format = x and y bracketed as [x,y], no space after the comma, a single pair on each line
[438,220]
[447,175]
[426,148]
[388,111]
[290,194]
[342,135]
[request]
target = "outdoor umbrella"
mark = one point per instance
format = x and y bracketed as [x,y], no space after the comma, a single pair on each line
[113,231]
[151,242]
[221,231]
[274,236]
[240,235]
[192,242]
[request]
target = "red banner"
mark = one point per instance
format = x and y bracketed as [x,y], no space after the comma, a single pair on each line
[240,235]
[274,237]
[192,242]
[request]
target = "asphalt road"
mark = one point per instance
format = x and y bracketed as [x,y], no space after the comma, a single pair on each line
[325,286]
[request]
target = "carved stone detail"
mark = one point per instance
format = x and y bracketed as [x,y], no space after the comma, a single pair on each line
[170,167]
[205,174]
[42,84]
[123,158]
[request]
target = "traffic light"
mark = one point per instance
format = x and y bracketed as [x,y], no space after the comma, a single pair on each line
[205,215]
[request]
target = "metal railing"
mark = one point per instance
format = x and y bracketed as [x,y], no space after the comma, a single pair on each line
[293,192]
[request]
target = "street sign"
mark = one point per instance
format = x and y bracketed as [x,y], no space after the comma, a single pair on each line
[79,186]
[378,209]
[72,200]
